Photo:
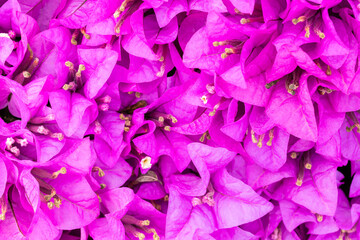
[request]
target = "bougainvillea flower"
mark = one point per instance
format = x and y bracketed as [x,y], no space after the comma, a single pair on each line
[19,28]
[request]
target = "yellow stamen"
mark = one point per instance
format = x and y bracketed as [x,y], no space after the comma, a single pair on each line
[237,11]
[102,185]
[299,19]
[319,33]
[56,174]
[151,230]
[202,138]
[86,35]
[216,44]
[123,5]
[57,202]
[173,119]
[319,217]
[307,31]
[223,55]
[81,67]
[253,138]
[69,64]
[50,205]
[146,162]
[204,99]
[66,87]
[271,137]
[49,197]
[101,173]
[244,21]
[356,125]
[261,138]
[26,74]
[3,208]
[293,155]
[328,71]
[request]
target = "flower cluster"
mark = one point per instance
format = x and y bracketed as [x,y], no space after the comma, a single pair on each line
[179,119]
